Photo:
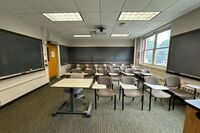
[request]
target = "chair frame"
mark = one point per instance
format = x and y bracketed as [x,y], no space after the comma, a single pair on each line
[108,96]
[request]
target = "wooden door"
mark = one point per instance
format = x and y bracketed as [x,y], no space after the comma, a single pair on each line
[52,60]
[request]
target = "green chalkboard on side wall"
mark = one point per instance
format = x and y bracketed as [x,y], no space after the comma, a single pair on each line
[19,54]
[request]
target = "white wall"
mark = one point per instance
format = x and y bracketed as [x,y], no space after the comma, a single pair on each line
[13,88]
[101,43]
[188,22]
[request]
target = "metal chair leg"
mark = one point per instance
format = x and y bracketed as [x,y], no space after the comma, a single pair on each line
[174,99]
[142,101]
[114,102]
[95,99]
[122,99]
[169,103]
[155,99]
[133,99]
[120,92]
[150,100]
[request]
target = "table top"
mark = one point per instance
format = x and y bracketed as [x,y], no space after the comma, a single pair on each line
[98,86]
[99,74]
[127,86]
[193,86]
[113,74]
[128,74]
[194,103]
[73,83]
[156,87]
[146,74]
[71,73]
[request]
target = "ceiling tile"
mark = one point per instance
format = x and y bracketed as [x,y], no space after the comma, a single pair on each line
[116,5]
[88,5]
[182,5]
[159,5]
[135,5]
[35,17]
[109,16]
[91,17]
[17,7]
[40,5]
[64,5]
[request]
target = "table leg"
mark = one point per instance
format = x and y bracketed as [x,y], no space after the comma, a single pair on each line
[72,107]
[195,91]
[95,99]
[72,99]
[150,99]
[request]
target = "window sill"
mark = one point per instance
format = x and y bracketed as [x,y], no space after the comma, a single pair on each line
[153,66]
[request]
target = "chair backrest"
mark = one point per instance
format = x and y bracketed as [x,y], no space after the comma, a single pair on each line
[77,75]
[115,70]
[104,71]
[122,68]
[128,80]
[90,71]
[76,71]
[152,80]
[146,70]
[172,81]
[106,80]
[101,66]
[129,70]
[111,67]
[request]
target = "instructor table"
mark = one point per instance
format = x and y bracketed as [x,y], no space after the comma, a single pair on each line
[71,84]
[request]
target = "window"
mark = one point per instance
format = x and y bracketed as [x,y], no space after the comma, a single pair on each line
[148,53]
[156,48]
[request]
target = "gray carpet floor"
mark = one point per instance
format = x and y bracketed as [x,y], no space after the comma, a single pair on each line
[32,114]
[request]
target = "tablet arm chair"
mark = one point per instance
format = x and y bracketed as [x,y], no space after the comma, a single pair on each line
[90,72]
[156,93]
[104,71]
[115,77]
[174,84]
[108,92]
[131,93]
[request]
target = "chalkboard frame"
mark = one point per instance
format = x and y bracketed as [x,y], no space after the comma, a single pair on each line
[26,72]
[176,73]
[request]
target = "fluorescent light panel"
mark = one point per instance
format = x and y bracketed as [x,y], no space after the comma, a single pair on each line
[64,16]
[75,35]
[119,35]
[137,15]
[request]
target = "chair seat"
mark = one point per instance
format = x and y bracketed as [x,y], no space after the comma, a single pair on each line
[115,78]
[105,92]
[159,93]
[132,93]
[181,93]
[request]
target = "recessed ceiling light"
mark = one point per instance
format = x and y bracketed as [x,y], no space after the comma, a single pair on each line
[137,15]
[64,16]
[77,35]
[119,35]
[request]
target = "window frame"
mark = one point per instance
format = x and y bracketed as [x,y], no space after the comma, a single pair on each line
[154,48]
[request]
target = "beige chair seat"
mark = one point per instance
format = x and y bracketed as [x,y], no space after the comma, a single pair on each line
[159,93]
[132,93]
[181,93]
[115,78]
[108,92]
